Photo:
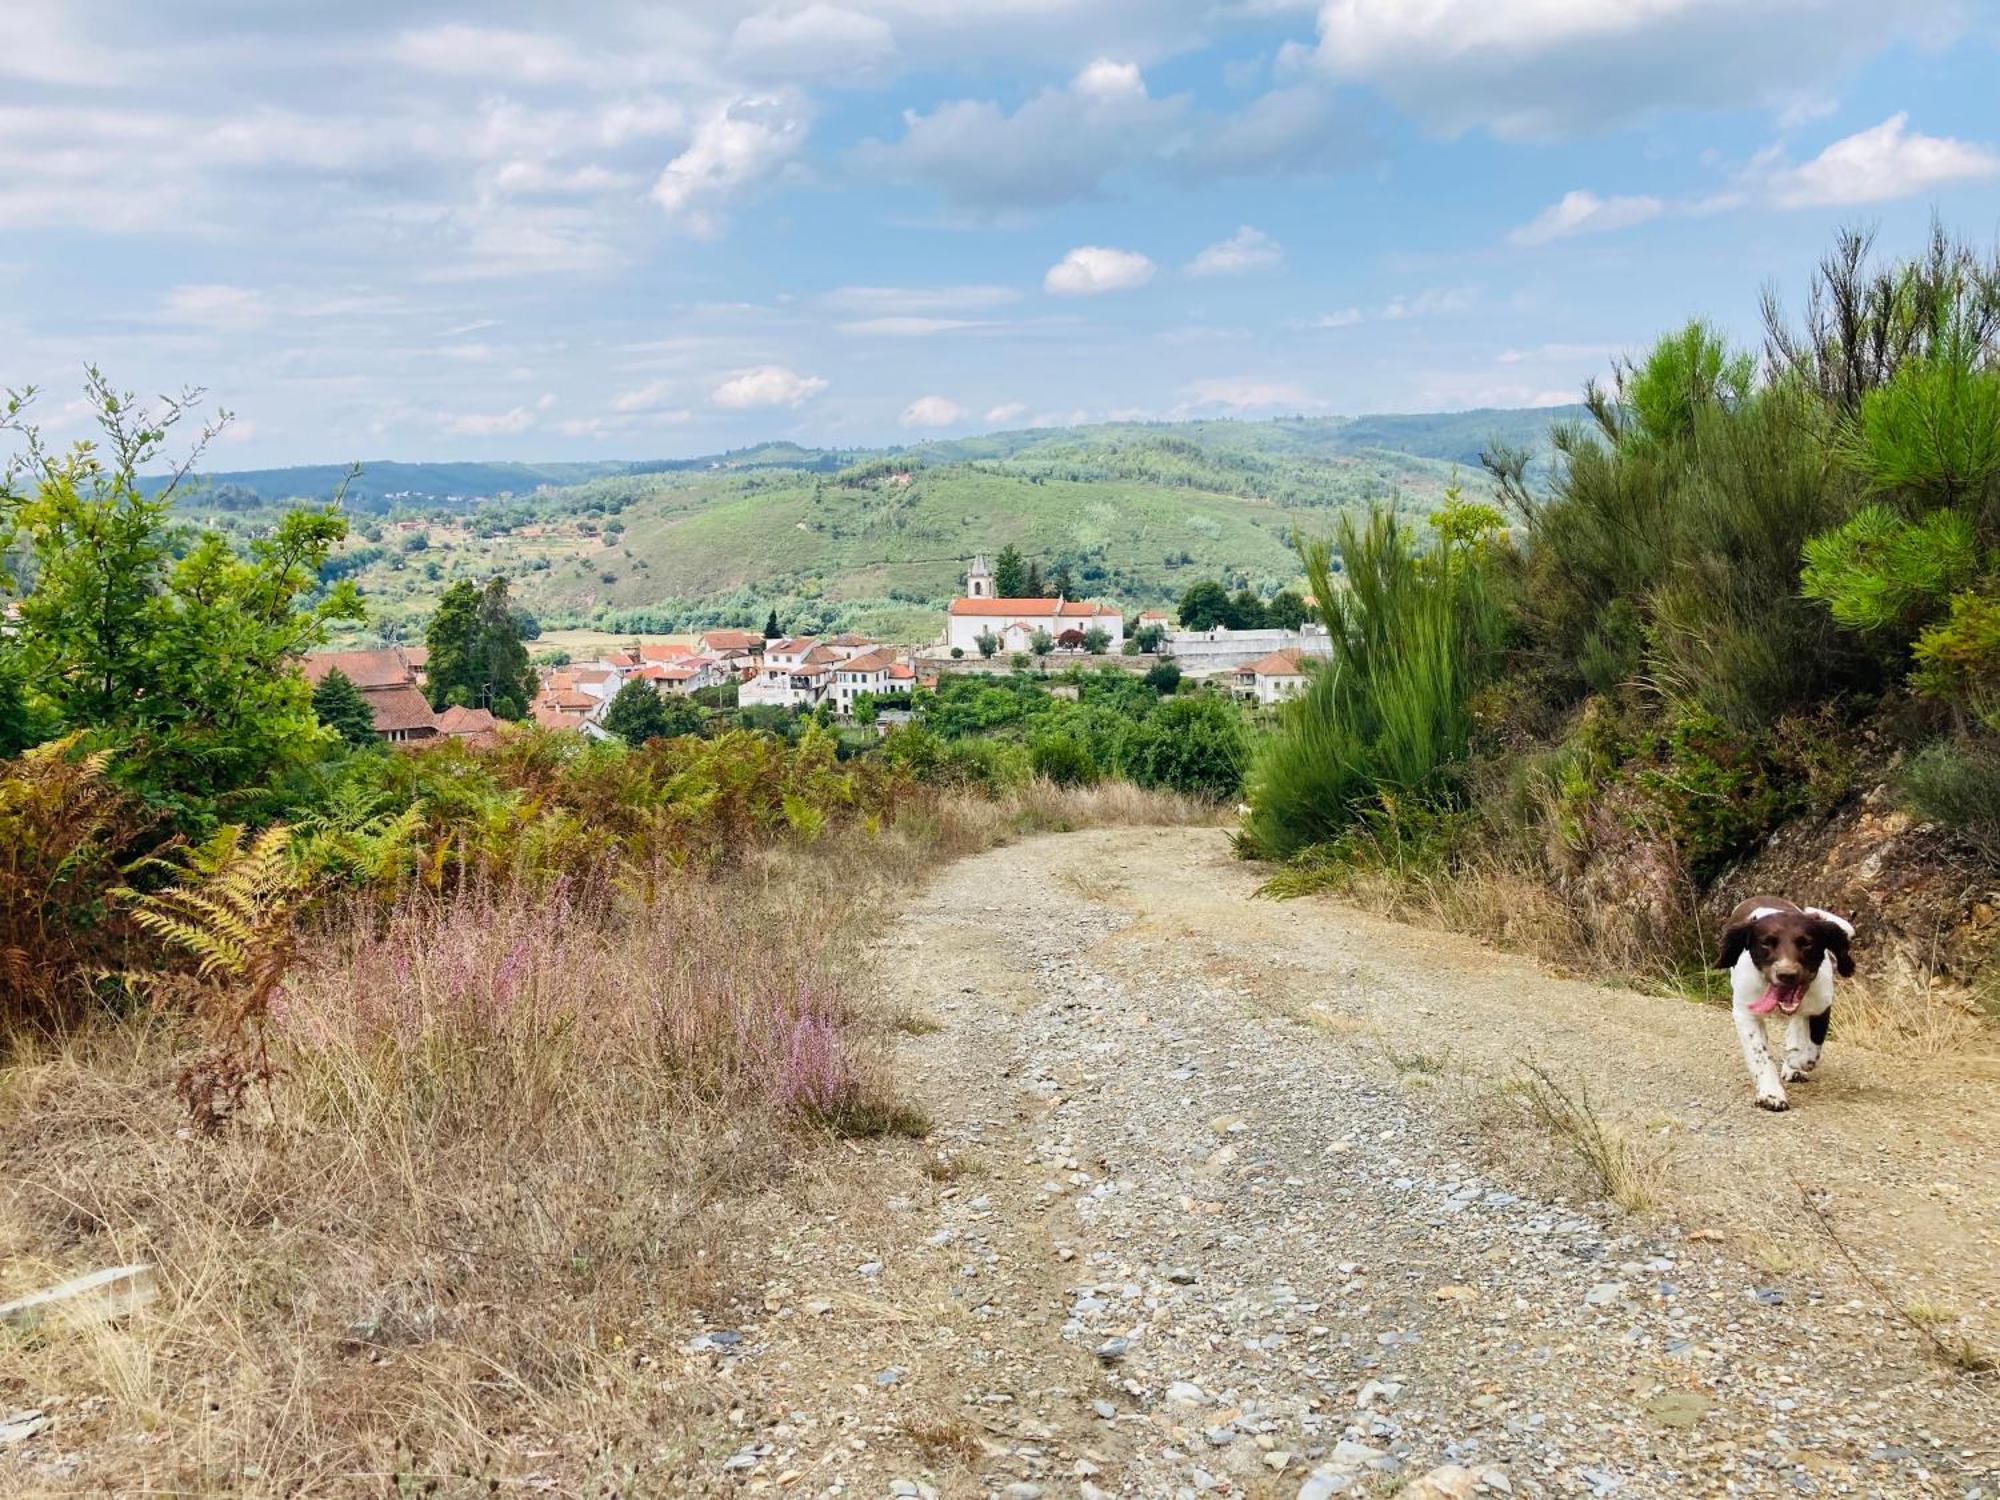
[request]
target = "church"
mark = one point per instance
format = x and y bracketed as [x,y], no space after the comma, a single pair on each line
[1014,622]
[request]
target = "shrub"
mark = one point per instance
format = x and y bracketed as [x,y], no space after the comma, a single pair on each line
[1164,677]
[1389,716]
[1189,744]
[1956,783]
[1062,758]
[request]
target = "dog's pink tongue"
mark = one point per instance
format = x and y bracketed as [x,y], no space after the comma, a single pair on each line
[1767,1002]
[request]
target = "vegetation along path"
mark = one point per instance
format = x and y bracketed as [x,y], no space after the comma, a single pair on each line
[1229,1196]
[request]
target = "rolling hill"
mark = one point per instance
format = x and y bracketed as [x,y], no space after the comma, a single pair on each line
[878,538]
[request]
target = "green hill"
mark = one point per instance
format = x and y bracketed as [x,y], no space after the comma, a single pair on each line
[879,538]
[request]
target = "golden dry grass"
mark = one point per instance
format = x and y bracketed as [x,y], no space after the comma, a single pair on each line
[493,1188]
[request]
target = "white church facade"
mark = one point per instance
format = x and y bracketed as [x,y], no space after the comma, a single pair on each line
[1013,623]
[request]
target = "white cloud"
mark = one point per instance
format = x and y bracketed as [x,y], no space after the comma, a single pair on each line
[1346,317]
[544,178]
[1246,250]
[818,41]
[737,148]
[1884,162]
[1091,269]
[1006,411]
[1582,212]
[465,51]
[1432,302]
[649,397]
[1528,68]
[766,386]
[933,411]
[489,424]
[1240,395]
[216,306]
[1057,147]
[887,301]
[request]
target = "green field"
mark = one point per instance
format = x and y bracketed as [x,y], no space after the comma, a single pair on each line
[878,540]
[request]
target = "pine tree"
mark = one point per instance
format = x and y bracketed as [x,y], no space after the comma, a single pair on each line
[1032,586]
[508,680]
[1063,583]
[452,638]
[1010,574]
[772,632]
[339,705]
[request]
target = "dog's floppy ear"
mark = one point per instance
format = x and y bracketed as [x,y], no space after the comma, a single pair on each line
[1734,938]
[1836,934]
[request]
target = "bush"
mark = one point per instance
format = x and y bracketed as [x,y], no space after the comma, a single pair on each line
[1062,758]
[1413,636]
[1164,677]
[1956,783]
[1194,745]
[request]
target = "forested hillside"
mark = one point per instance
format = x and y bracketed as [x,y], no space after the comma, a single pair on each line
[878,538]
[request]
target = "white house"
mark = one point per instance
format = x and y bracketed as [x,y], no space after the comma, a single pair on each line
[795,673]
[1273,678]
[1013,622]
[867,672]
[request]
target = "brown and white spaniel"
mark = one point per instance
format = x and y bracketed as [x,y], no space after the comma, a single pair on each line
[1782,959]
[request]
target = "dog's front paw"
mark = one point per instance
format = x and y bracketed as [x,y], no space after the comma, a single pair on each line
[1773,1102]
[1799,1072]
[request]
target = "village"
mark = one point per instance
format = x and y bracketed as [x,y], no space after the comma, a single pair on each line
[851,677]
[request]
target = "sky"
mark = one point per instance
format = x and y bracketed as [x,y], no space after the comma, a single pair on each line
[641,228]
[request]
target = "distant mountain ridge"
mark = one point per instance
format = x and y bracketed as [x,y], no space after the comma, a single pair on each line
[1451,437]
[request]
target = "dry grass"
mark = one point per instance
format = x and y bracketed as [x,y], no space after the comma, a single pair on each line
[491,1191]
[1626,1175]
[1911,1021]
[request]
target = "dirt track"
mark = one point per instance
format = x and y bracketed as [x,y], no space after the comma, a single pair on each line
[1225,1196]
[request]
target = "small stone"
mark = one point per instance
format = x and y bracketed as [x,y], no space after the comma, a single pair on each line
[21,1425]
[1348,1454]
[1022,1489]
[1220,1437]
[1322,1483]
[1181,1276]
[1604,1294]
[1105,1410]
[1276,1460]
[1186,1393]
[1112,1350]
[869,1268]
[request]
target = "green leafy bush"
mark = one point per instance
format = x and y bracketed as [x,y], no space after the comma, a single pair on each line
[1957,783]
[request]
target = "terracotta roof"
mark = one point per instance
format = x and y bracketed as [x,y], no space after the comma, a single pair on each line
[1005,606]
[621,659]
[551,716]
[878,660]
[1155,617]
[794,644]
[731,640]
[400,709]
[388,667]
[582,675]
[1277,664]
[466,721]
[665,651]
[673,674]
[822,654]
[417,656]
[849,638]
[902,671]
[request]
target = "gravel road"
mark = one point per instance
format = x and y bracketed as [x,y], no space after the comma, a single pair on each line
[1224,1198]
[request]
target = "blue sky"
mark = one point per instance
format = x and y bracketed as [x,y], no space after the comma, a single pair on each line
[629,228]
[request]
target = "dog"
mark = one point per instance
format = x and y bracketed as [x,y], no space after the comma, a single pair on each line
[1782,959]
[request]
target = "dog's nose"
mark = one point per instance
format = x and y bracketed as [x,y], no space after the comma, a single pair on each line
[1787,972]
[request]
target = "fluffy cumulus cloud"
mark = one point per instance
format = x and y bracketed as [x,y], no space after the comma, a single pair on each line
[1244,251]
[1873,166]
[1527,68]
[740,146]
[933,411]
[1089,270]
[1583,212]
[766,386]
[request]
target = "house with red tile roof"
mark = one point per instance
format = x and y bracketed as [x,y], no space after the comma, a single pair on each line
[1273,678]
[388,684]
